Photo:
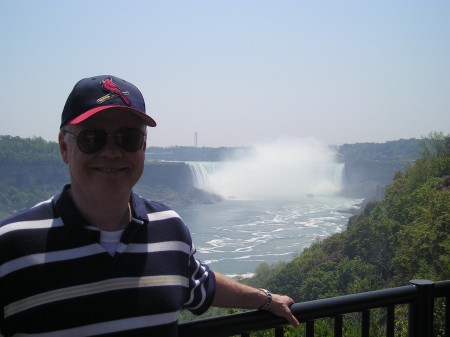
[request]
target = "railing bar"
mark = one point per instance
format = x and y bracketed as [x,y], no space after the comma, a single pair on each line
[365,324]
[233,325]
[426,306]
[353,303]
[310,329]
[447,316]
[279,332]
[338,324]
[441,288]
[413,318]
[390,321]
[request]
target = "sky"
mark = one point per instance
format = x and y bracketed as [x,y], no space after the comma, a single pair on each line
[235,72]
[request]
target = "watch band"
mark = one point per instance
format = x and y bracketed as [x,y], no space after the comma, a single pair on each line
[266,305]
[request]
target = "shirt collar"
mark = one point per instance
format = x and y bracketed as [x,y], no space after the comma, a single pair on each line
[66,209]
[71,216]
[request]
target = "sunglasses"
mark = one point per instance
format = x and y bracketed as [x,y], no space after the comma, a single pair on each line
[90,141]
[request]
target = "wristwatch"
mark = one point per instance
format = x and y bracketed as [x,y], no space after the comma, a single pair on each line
[266,305]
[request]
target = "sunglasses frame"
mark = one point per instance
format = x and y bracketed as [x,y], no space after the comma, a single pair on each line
[109,133]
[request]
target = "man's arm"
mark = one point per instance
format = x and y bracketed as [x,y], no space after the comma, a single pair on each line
[232,294]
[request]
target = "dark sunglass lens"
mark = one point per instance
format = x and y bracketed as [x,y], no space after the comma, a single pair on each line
[91,141]
[130,139]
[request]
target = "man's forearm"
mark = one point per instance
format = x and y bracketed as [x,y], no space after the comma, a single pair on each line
[232,294]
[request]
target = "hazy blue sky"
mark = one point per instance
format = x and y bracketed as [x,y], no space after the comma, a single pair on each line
[236,72]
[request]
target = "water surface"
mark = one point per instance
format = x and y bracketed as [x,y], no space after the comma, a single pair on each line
[235,236]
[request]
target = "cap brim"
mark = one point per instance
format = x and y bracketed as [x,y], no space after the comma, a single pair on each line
[145,118]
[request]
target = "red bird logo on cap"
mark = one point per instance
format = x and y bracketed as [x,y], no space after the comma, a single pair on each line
[113,91]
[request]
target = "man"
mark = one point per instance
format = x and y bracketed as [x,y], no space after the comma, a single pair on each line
[98,259]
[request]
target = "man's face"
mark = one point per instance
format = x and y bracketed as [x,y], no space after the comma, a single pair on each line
[110,170]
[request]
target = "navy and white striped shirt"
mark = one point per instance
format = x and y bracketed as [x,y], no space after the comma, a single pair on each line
[57,280]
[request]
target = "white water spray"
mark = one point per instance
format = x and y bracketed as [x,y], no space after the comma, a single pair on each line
[283,169]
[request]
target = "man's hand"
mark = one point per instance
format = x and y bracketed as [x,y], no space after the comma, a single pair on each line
[280,306]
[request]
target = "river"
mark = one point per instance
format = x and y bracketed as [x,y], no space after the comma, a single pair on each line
[235,236]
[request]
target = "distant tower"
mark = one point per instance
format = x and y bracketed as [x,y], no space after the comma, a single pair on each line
[195,139]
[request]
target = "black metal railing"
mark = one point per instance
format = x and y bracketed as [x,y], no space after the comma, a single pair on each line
[419,295]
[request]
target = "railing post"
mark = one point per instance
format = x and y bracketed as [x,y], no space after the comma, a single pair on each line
[421,313]
[390,321]
[279,332]
[338,324]
[365,323]
[310,328]
[447,316]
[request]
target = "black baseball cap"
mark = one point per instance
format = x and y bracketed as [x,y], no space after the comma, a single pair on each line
[99,93]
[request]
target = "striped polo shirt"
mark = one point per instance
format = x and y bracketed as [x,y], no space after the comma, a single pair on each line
[57,280]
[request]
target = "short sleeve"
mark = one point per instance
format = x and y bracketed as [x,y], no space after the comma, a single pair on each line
[202,284]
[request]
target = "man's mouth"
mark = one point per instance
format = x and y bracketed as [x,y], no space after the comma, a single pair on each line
[109,169]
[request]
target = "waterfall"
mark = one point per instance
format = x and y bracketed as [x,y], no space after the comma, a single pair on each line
[273,171]
[201,172]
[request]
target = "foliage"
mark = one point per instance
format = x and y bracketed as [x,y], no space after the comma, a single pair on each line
[403,149]
[189,153]
[16,150]
[399,150]
[31,170]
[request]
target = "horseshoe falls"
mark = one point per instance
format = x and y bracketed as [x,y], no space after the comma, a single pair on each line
[278,200]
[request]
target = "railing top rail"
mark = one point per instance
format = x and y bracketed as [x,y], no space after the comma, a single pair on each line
[329,307]
[441,288]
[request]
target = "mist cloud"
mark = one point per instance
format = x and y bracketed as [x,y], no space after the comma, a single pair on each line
[287,168]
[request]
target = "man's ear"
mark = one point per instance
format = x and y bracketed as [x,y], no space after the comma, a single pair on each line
[63,147]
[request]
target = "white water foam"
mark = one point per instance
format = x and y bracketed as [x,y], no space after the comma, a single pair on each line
[235,236]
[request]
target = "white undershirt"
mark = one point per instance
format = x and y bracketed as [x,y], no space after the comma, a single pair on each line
[110,240]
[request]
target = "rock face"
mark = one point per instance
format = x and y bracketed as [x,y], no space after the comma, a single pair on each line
[173,184]
[367,178]
[174,175]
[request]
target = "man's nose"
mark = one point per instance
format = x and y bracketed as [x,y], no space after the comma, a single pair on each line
[111,149]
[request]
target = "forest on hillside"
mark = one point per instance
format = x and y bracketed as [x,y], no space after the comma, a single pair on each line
[402,149]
